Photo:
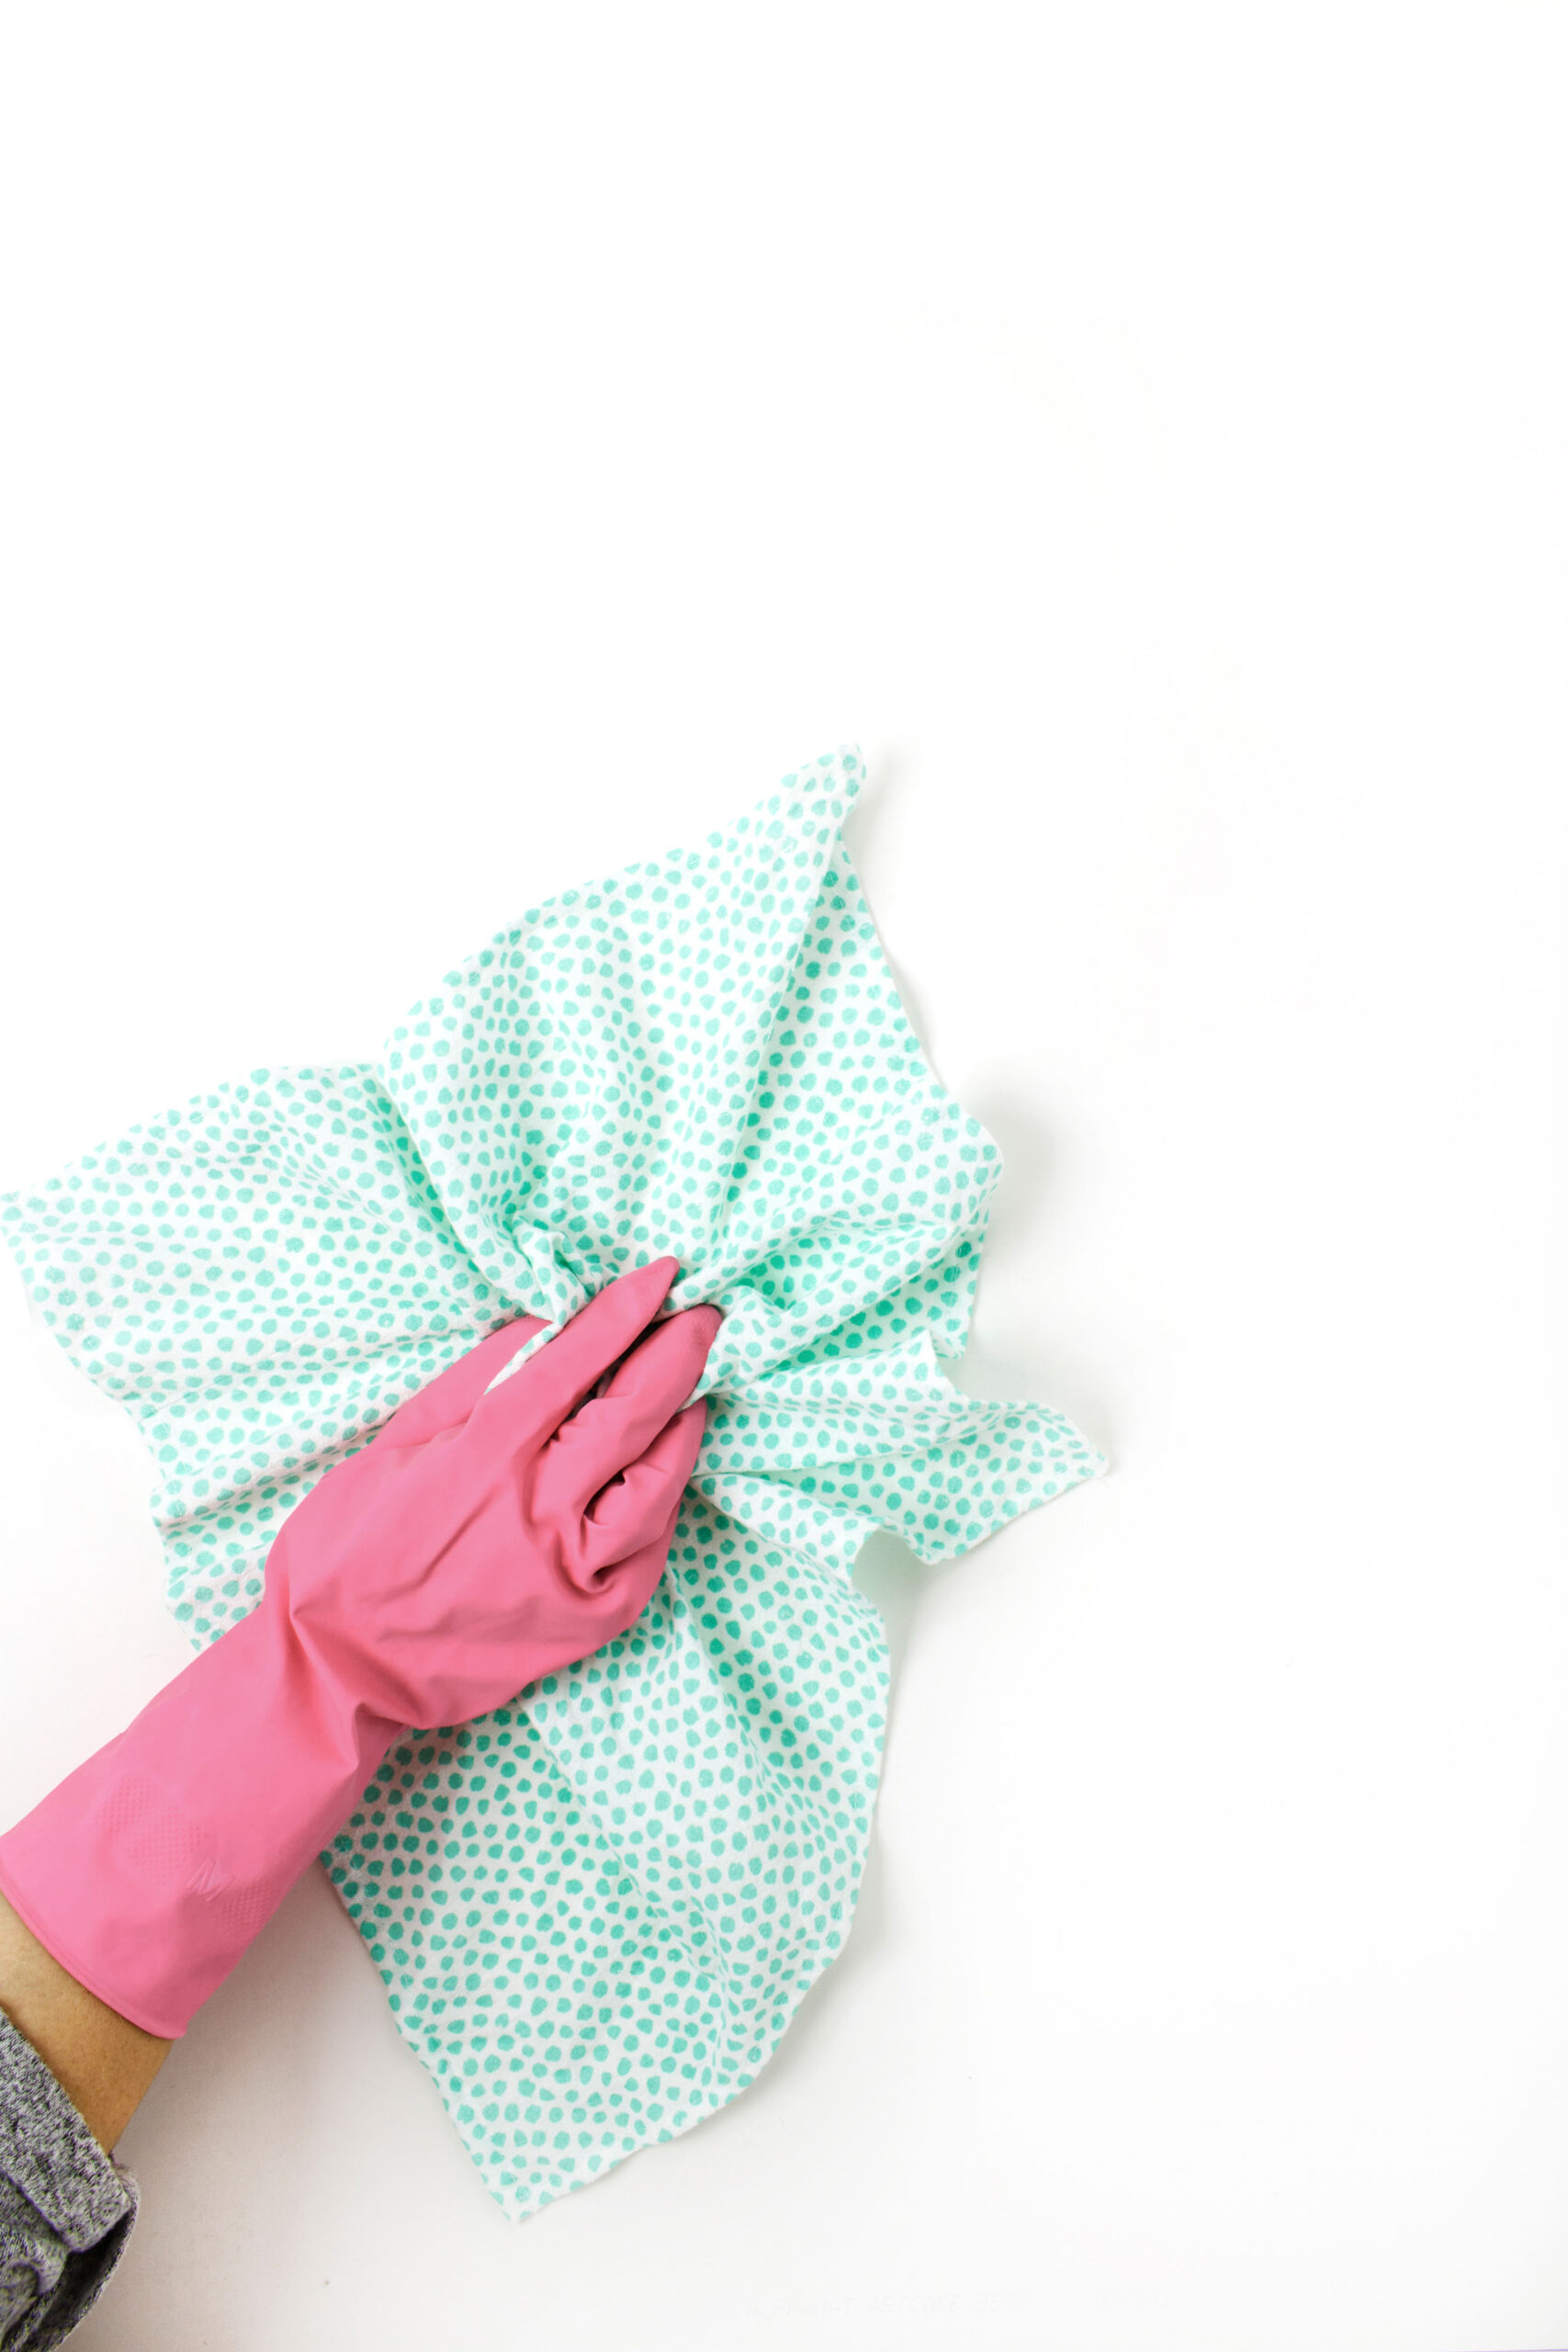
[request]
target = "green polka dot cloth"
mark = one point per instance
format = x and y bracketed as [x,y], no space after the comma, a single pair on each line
[595,1910]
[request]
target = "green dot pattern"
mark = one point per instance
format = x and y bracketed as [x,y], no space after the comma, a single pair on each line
[594,1910]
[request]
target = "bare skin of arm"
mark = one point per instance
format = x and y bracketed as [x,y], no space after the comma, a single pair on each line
[102,2062]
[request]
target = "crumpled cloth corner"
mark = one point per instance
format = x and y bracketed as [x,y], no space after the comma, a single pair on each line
[596,1910]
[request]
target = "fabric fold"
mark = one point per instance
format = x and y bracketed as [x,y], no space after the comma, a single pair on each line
[596,1910]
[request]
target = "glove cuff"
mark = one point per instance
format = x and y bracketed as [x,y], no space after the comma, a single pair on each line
[149,1870]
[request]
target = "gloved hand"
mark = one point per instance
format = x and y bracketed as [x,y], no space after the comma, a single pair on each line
[477,1542]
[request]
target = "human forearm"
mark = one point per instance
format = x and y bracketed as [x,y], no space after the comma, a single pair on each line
[102,2062]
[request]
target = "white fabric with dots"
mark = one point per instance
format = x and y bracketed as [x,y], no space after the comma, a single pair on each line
[595,1910]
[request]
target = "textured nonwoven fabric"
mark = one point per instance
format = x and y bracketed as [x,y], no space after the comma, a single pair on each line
[596,1909]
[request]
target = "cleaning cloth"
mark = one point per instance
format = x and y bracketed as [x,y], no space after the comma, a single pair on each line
[596,1909]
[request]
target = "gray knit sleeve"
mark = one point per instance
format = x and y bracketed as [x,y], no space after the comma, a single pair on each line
[65,2208]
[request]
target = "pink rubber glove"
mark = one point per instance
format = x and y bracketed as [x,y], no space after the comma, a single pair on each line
[477,1542]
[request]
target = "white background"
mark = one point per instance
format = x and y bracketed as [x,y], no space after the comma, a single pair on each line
[448,452]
